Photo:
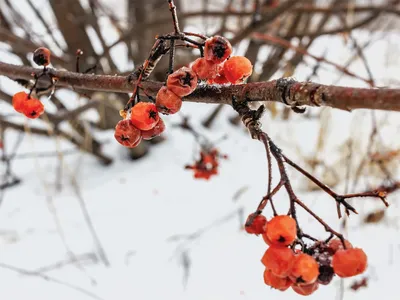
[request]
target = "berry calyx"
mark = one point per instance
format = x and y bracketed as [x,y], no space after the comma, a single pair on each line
[336,244]
[205,69]
[127,134]
[41,56]
[217,49]
[281,230]
[182,82]
[305,290]
[349,262]
[279,260]
[257,226]
[144,115]
[237,69]
[276,282]
[305,269]
[167,102]
[155,131]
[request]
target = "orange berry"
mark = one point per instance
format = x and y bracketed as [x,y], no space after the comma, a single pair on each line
[237,69]
[279,260]
[144,115]
[276,282]
[266,239]
[33,108]
[257,226]
[41,56]
[349,262]
[305,269]
[281,230]
[305,290]
[336,244]
[217,49]
[182,82]
[155,131]
[19,101]
[205,69]
[127,134]
[167,102]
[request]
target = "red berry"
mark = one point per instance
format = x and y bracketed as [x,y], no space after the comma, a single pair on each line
[279,260]
[220,78]
[305,290]
[276,282]
[19,101]
[336,244]
[217,49]
[205,69]
[349,262]
[167,102]
[33,108]
[144,115]
[237,69]
[127,134]
[41,56]
[257,226]
[156,131]
[182,82]
[305,269]
[281,230]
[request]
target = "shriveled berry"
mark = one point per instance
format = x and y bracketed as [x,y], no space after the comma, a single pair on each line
[305,290]
[281,230]
[258,224]
[279,260]
[237,69]
[182,82]
[41,56]
[305,269]
[326,274]
[155,131]
[167,102]
[127,134]
[144,115]
[33,108]
[19,101]
[336,244]
[217,49]
[205,69]
[276,282]
[349,262]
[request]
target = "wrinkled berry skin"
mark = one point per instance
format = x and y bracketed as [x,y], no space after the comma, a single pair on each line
[127,134]
[257,226]
[279,260]
[155,131]
[182,82]
[217,49]
[167,102]
[41,56]
[205,69]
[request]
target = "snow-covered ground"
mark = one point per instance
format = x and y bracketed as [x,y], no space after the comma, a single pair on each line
[168,236]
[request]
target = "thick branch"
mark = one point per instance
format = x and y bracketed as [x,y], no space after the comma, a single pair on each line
[285,90]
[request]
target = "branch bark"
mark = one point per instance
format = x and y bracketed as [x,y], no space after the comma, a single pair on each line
[284,90]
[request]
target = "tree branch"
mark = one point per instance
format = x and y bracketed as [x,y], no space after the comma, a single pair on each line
[285,90]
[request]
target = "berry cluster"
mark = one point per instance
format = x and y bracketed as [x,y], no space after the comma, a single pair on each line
[215,67]
[207,165]
[303,270]
[24,103]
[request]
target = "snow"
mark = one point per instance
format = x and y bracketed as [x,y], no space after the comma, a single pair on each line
[153,218]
